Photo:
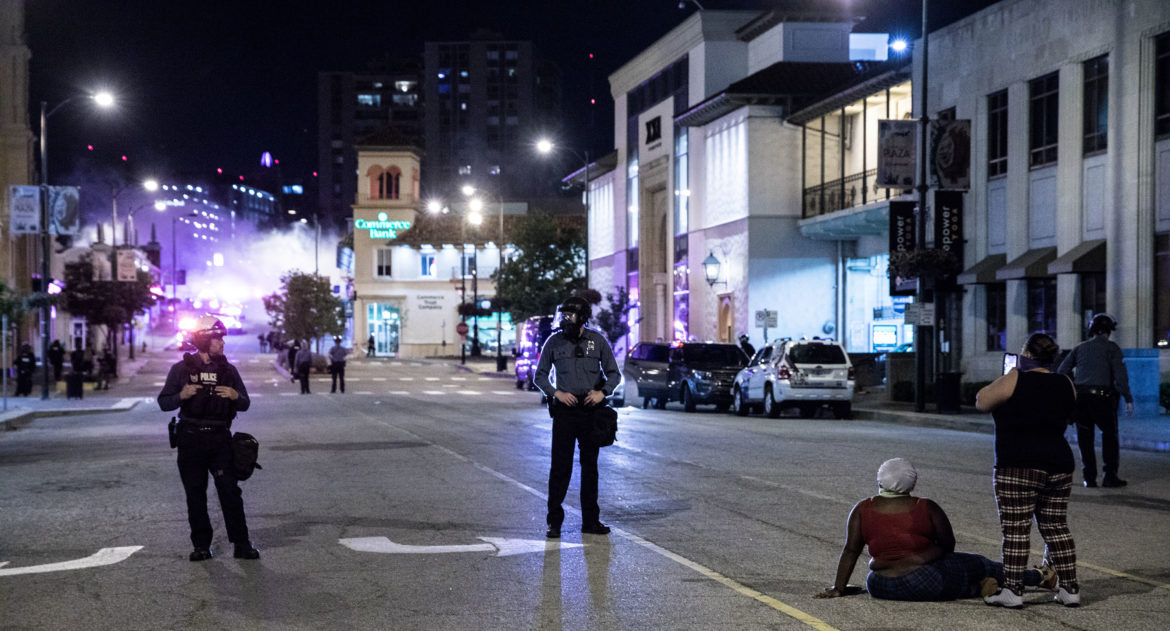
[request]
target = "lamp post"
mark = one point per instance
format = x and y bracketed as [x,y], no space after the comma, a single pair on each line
[546,147]
[475,218]
[102,99]
[920,227]
[175,258]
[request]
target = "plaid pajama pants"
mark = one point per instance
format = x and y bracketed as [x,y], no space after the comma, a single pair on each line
[1022,494]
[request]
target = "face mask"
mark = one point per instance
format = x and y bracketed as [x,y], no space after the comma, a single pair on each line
[572,329]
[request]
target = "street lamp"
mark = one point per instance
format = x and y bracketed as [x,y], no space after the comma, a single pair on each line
[476,205]
[102,99]
[546,146]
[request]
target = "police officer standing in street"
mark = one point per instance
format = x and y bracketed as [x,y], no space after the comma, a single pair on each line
[337,363]
[582,365]
[208,392]
[1101,379]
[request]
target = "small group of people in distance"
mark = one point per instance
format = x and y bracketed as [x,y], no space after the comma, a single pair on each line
[910,541]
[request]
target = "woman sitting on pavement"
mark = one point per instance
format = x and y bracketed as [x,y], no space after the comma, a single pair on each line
[911,547]
[1033,468]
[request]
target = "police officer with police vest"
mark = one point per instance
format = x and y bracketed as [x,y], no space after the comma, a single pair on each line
[582,365]
[208,392]
[1101,379]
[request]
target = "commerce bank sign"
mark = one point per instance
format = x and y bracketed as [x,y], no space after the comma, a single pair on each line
[381,229]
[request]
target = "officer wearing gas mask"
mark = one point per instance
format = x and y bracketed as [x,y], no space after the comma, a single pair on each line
[208,392]
[576,371]
[1096,369]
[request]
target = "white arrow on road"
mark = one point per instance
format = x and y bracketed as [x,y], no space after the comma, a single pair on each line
[502,547]
[105,556]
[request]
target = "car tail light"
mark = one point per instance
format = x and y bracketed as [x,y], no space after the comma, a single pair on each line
[782,371]
[852,374]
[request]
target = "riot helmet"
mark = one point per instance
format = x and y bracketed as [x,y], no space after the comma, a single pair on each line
[207,328]
[579,308]
[1102,323]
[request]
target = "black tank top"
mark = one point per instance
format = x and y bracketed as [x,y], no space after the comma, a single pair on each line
[1029,427]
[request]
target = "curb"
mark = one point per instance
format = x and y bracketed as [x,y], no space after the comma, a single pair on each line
[493,373]
[17,420]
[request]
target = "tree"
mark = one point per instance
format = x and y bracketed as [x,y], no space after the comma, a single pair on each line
[614,321]
[305,308]
[548,267]
[108,303]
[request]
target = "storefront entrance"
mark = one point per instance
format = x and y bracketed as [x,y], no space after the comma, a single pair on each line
[383,322]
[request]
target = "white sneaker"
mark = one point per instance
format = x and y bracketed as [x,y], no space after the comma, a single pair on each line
[1066,598]
[1005,598]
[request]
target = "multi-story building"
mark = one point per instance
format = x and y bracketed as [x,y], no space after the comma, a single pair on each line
[486,101]
[351,106]
[20,252]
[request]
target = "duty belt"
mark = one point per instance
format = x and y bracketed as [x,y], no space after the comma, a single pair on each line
[202,425]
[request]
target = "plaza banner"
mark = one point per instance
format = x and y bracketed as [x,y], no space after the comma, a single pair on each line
[897,153]
[24,203]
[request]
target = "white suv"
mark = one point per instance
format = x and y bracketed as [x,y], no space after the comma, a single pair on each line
[803,374]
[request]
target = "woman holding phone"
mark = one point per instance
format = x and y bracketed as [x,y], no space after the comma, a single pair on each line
[1033,468]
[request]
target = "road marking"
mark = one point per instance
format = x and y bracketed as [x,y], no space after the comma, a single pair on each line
[450,385]
[105,556]
[432,378]
[471,392]
[355,378]
[129,402]
[440,392]
[788,610]
[458,378]
[502,547]
[506,393]
[288,394]
[379,379]
[395,363]
[484,379]
[399,392]
[406,378]
[362,392]
[159,384]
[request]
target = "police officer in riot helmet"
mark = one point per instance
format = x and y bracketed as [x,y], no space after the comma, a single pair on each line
[208,392]
[576,371]
[1101,380]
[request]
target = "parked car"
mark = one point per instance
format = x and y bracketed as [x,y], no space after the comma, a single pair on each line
[532,334]
[803,374]
[702,373]
[646,373]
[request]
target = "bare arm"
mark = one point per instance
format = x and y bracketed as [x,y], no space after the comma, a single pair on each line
[849,555]
[997,392]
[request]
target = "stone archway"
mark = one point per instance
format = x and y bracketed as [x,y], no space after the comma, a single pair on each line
[726,328]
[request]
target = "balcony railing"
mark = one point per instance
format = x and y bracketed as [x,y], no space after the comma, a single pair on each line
[853,190]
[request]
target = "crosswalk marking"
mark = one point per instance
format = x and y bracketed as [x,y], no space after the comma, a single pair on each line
[399,392]
[432,378]
[484,379]
[450,385]
[288,394]
[364,392]
[377,379]
[406,378]
[458,378]
[506,393]
[439,392]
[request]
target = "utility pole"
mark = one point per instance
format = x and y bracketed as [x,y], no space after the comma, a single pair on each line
[920,331]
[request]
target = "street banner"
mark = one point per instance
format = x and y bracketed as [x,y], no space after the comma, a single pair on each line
[902,239]
[64,215]
[24,203]
[950,153]
[897,153]
[127,266]
[948,222]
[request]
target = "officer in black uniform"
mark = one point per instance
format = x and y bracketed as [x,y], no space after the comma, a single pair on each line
[26,365]
[208,392]
[585,372]
[1096,368]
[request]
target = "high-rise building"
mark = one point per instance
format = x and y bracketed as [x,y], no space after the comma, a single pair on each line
[485,101]
[351,106]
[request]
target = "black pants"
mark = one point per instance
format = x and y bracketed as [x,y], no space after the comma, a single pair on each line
[23,384]
[57,371]
[338,370]
[303,375]
[568,426]
[1095,410]
[201,452]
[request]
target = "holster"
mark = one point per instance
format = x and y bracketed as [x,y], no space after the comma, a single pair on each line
[173,432]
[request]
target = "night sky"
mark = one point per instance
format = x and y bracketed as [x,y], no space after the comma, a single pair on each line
[214,84]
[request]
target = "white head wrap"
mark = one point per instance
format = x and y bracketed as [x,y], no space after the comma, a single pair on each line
[897,475]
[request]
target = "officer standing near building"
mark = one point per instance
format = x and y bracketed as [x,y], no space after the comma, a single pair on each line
[26,365]
[1101,379]
[582,365]
[208,392]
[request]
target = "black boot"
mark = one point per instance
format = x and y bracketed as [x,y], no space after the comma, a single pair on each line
[200,554]
[246,551]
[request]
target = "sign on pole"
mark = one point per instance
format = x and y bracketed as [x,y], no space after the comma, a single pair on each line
[64,215]
[902,239]
[24,203]
[897,153]
[950,152]
[127,266]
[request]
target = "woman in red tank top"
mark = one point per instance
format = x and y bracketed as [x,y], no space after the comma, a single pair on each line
[911,547]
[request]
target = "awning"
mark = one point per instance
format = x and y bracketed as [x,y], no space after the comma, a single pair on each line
[1030,264]
[983,272]
[1086,257]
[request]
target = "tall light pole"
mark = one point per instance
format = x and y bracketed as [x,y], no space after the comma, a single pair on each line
[102,99]
[546,147]
[920,227]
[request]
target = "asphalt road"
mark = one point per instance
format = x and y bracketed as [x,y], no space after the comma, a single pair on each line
[416,501]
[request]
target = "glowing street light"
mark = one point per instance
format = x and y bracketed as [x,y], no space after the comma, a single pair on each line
[898,45]
[545,147]
[150,185]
